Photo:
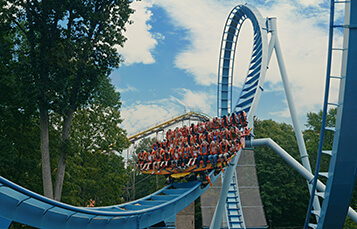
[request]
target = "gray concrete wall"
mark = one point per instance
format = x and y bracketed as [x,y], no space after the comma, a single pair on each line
[209,201]
[185,219]
[251,202]
[252,206]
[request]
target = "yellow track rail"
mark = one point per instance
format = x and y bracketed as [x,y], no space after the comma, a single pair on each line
[186,116]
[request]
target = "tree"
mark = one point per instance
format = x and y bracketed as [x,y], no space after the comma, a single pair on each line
[69,47]
[96,170]
[312,136]
[19,129]
[283,191]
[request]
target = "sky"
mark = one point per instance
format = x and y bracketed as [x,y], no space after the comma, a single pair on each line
[171,59]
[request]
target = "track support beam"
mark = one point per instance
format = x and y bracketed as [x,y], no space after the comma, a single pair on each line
[295,165]
[274,43]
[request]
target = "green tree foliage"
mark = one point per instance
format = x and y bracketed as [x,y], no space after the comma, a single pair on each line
[19,129]
[95,169]
[98,176]
[68,50]
[312,136]
[283,191]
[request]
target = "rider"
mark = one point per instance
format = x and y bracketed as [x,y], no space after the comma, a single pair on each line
[225,122]
[194,154]
[140,161]
[150,159]
[224,151]
[242,118]
[216,123]
[213,154]
[156,159]
[203,154]
[185,154]
[176,156]
[201,127]
[166,158]
[234,119]
[234,133]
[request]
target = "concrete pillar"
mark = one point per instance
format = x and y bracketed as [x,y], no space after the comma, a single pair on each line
[185,219]
[251,202]
[249,195]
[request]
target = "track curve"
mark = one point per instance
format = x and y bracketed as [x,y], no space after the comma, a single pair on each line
[343,164]
[253,85]
[21,205]
[248,99]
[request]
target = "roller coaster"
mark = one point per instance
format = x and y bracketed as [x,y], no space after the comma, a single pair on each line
[329,203]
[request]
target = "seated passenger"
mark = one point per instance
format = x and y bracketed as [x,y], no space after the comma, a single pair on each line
[155,145]
[181,156]
[242,118]
[225,122]
[200,127]
[156,159]
[225,134]
[233,119]
[203,154]
[164,144]
[176,156]
[234,132]
[216,136]
[167,158]
[213,157]
[193,140]
[162,158]
[194,154]
[140,162]
[201,138]
[185,131]
[223,156]
[209,126]
[185,154]
[193,129]
[216,123]
[149,160]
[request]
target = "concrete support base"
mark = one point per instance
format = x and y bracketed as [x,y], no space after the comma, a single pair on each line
[249,194]
[185,219]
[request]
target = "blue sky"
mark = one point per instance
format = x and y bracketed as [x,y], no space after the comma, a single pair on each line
[171,59]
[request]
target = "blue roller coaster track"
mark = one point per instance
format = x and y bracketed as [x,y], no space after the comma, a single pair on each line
[342,172]
[230,201]
[21,205]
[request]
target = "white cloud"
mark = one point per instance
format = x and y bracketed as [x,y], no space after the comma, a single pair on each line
[304,46]
[303,42]
[203,20]
[198,100]
[140,44]
[140,116]
[127,89]
[310,2]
